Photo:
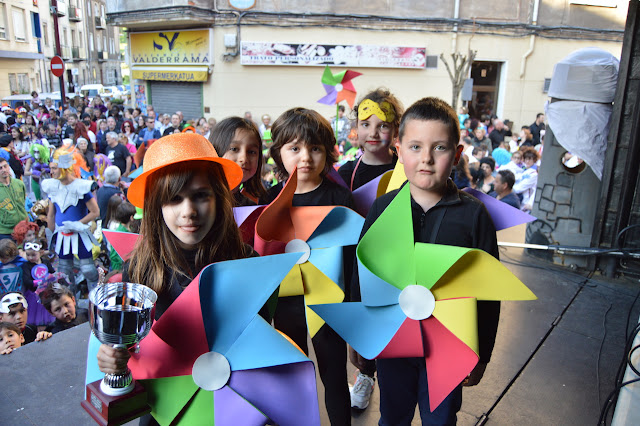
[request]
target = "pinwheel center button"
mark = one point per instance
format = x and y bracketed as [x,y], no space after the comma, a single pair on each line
[298,246]
[417,302]
[211,371]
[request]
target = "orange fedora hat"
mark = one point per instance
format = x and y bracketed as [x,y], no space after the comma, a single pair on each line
[178,148]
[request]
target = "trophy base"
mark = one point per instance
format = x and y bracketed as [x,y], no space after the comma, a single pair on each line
[115,410]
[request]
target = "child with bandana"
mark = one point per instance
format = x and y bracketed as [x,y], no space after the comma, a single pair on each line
[378,117]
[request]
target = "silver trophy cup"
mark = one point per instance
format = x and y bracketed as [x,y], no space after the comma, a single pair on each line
[121,315]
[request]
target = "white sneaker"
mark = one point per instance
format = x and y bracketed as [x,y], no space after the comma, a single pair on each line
[361,391]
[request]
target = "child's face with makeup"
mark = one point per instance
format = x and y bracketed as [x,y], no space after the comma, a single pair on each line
[33,256]
[375,135]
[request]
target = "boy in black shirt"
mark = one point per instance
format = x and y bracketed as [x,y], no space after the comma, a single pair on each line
[60,303]
[429,134]
[304,141]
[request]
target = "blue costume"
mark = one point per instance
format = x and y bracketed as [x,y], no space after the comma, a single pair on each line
[71,236]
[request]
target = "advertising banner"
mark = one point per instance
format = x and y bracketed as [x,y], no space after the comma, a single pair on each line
[186,47]
[360,55]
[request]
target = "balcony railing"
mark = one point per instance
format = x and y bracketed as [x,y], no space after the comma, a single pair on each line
[62,8]
[66,52]
[75,13]
[101,23]
[79,53]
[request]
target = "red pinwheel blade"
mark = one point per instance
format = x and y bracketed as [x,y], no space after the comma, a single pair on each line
[176,340]
[269,388]
[406,343]
[449,360]
[350,75]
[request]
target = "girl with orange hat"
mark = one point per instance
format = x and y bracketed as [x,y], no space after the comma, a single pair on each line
[187,224]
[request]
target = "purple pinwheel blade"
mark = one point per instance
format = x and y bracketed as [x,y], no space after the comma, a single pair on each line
[503,215]
[330,98]
[286,393]
[231,409]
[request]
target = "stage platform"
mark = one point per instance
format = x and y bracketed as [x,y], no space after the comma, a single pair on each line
[554,362]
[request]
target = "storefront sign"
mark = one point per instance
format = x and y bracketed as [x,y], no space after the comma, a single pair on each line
[263,53]
[186,47]
[171,73]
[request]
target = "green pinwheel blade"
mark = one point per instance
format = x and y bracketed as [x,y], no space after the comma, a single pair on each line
[434,260]
[168,396]
[332,79]
[199,410]
[387,249]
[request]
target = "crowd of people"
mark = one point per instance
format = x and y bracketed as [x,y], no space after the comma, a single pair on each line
[66,176]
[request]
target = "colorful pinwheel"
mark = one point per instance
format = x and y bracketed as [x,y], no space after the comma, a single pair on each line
[319,274]
[211,359]
[339,87]
[419,300]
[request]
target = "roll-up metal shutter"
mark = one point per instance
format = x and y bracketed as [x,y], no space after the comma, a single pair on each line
[169,97]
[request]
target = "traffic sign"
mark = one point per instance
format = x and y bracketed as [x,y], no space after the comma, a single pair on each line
[57,66]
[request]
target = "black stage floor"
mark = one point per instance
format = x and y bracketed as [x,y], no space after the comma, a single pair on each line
[554,362]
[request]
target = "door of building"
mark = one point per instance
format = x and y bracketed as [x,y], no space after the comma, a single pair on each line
[169,97]
[486,86]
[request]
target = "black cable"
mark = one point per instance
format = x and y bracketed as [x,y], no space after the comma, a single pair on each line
[623,230]
[613,396]
[604,335]
[626,327]
[605,412]
[633,368]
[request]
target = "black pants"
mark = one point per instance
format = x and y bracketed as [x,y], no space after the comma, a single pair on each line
[331,353]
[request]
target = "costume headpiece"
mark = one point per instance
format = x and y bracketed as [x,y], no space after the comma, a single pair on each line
[12,299]
[383,110]
[66,161]
[178,148]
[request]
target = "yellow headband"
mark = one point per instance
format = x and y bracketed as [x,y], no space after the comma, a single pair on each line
[384,110]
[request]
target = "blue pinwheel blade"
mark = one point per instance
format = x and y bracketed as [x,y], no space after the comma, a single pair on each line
[341,227]
[93,372]
[374,290]
[367,329]
[232,293]
[329,261]
[260,345]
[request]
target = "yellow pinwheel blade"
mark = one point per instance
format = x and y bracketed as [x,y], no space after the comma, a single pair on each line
[319,289]
[397,178]
[480,275]
[460,316]
[292,284]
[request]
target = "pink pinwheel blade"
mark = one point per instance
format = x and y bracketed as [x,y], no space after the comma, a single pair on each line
[449,360]
[122,242]
[285,393]
[406,343]
[176,340]
[231,409]
[348,85]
